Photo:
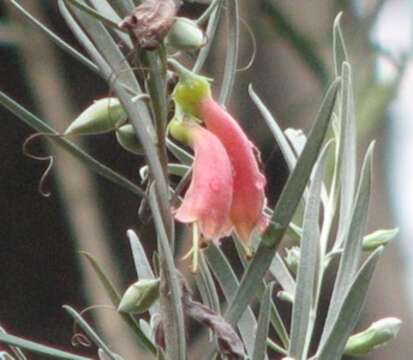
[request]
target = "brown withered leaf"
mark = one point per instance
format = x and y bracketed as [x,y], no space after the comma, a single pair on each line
[150,22]
[229,343]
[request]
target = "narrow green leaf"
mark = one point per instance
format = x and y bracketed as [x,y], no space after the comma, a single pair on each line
[308,266]
[339,46]
[210,35]
[122,7]
[288,153]
[90,162]
[142,263]
[114,296]
[12,340]
[17,352]
[182,155]
[91,334]
[281,273]
[296,183]
[347,151]
[232,50]
[206,285]
[106,9]
[284,211]
[260,346]
[349,312]
[92,12]
[352,251]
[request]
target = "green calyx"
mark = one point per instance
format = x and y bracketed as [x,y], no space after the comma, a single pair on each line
[180,130]
[190,90]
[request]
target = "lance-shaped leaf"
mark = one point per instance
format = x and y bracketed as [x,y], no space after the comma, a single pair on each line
[44,350]
[349,312]
[308,266]
[232,50]
[260,346]
[351,256]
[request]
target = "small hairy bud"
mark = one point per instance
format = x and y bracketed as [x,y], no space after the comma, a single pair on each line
[185,35]
[140,296]
[102,116]
[378,334]
[379,238]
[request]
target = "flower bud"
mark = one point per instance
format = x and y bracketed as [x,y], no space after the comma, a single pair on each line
[379,238]
[102,116]
[285,296]
[140,296]
[378,334]
[185,35]
[293,258]
[126,137]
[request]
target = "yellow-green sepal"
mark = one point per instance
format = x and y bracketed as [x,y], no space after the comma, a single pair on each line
[190,90]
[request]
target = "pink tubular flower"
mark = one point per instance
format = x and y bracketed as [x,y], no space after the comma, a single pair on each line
[208,199]
[192,95]
[247,210]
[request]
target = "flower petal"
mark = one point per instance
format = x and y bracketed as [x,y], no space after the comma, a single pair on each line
[209,196]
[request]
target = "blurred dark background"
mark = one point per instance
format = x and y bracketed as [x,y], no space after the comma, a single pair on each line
[40,267]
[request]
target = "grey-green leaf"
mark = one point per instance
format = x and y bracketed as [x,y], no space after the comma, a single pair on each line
[351,256]
[260,345]
[308,267]
[38,348]
[142,264]
[349,312]
[232,49]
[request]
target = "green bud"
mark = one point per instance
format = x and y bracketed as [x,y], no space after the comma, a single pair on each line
[185,35]
[378,334]
[285,296]
[140,296]
[293,258]
[102,116]
[126,137]
[379,238]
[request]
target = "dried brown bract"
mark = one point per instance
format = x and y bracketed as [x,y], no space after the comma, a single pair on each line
[150,22]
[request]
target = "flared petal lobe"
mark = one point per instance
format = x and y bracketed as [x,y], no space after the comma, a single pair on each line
[247,210]
[209,196]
